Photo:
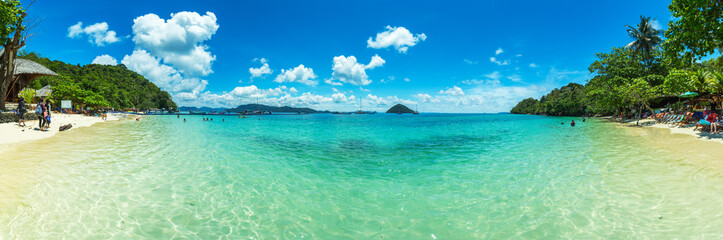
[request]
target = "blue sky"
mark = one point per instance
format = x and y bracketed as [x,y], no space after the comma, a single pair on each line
[444,56]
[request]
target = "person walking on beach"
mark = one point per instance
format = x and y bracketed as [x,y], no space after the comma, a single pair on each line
[39,114]
[21,112]
[47,113]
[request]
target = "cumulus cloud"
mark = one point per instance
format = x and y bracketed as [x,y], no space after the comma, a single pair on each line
[532,65]
[164,76]
[399,37]
[105,59]
[407,79]
[426,98]
[299,74]
[348,70]
[499,51]
[453,91]
[499,62]
[178,40]
[470,62]
[97,33]
[260,71]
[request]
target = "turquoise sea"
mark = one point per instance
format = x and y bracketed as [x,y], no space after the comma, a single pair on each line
[382,176]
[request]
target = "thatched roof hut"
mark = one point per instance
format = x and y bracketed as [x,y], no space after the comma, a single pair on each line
[45,91]
[25,72]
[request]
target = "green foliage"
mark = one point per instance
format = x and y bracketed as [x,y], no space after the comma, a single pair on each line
[101,85]
[28,94]
[678,82]
[526,106]
[566,101]
[10,12]
[645,36]
[697,31]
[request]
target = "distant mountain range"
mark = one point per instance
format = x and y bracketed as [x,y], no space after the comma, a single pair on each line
[252,107]
[201,109]
[264,108]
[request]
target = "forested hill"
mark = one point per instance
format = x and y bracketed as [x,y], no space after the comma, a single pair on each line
[566,101]
[100,85]
[260,107]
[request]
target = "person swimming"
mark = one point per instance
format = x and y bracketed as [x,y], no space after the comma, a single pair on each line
[583,118]
[184,120]
[572,123]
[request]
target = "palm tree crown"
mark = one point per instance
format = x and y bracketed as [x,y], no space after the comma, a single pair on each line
[645,36]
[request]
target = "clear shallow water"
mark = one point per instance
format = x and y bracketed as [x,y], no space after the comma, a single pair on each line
[362,177]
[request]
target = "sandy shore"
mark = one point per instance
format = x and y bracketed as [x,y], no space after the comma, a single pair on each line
[11,133]
[685,129]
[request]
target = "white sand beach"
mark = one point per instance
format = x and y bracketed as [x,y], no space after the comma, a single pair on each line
[11,133]
[675,129]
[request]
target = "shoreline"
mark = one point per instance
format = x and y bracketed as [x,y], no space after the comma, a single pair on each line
[674,130]
[13,135]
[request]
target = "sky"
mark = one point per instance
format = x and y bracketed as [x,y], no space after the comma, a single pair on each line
[436,56]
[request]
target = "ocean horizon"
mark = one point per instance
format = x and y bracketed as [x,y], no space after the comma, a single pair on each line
[381,176]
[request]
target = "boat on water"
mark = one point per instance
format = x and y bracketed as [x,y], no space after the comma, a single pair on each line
[361,111]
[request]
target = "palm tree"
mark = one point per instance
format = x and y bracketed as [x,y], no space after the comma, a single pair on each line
[714,81]
[645,36]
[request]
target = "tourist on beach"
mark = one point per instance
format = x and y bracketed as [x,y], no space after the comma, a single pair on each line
[21,112]
[47,114]
[39,113]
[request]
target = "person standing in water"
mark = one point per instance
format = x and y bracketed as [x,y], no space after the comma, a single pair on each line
[572,123]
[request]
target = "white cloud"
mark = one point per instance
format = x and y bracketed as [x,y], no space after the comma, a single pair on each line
[261,71]
[494,75]
[515,78]
[164,76]
[178,40]
[453,91]
[470,61]
[533,65]
[518,55]
[293,90]
[98,33]
[261,60]
[499,51]
[399,37]
[299,74]
[105,59]
[498,62]
[407,79]
[426,98]
[339,97]
[348,70]
[655,24]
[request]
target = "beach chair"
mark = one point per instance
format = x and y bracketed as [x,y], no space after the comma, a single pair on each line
[685,117]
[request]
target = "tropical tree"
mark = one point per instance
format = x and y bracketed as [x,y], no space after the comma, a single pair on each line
[28,94]
[11,39]
[645,36]
[697,30]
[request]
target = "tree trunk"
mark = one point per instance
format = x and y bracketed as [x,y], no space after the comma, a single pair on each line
[7,60]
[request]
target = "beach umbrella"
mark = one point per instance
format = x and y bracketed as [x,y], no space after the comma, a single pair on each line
[688,94]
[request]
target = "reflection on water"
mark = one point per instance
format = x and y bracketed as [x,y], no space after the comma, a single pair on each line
[377,176]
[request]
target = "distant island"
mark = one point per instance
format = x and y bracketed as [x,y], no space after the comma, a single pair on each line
[399,108]
[252,108]
[201,109]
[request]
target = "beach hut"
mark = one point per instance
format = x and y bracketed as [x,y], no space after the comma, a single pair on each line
[25,72]
[45,91]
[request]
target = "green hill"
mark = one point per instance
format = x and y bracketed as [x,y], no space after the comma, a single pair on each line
[399,108]
[263,108]
[566,101]
[100,85]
